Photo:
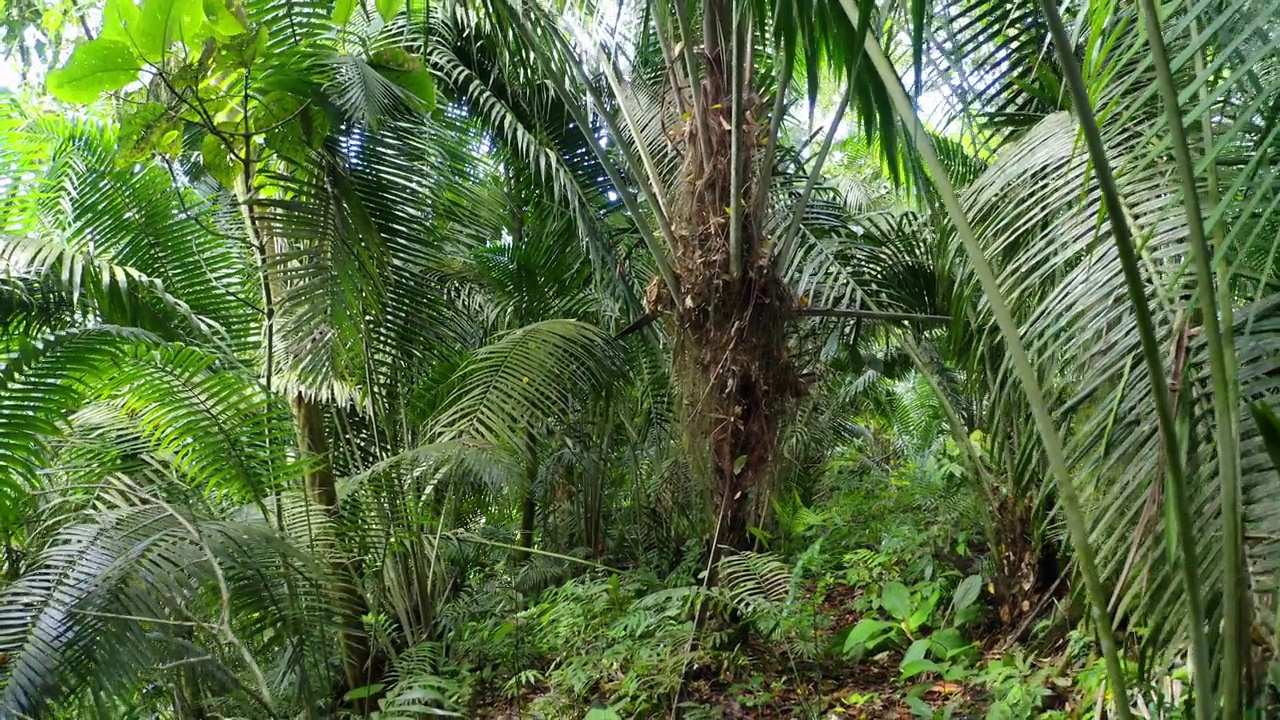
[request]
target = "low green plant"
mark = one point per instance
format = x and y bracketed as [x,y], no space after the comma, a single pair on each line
[917,624]
[1017,686]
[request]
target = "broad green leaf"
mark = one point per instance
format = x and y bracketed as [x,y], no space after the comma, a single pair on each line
[502,632]
[240,52]
[388,9]
[896,600]
[141,127]
[864,632]
[164,23]
[599,713]
[226,19]
[342,11]
[967,592]
[418,83]
[916,651]
[918,666]
[924,610]
[364,691]
[948,643]
[119,20]
[919,708]
[94,67]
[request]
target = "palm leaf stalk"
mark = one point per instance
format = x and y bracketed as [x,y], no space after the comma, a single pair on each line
[656,249]
[1188,556]
[1049,435]
[1235,605]
[788,244]
[736,169]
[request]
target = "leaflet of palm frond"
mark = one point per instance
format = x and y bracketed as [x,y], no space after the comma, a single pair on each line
[826,39]
[652,122]
[123,237]
[76,282]
[530,376]
[294,32]
[534,276]
[177,395]
[883,260]
[413,181]
[30,306]
[754,580]
[131,590]
[420,467]
[362,245]
[44,379]
[993,63]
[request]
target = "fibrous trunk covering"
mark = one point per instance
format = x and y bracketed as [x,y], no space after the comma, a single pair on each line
[731,354]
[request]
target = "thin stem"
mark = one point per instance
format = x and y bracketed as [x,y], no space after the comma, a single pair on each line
[1026,372]
[1126,249]
[1235,604]
[765,174]
[611,74]
[787,246]
[668,55]
[695,83]
[735,149]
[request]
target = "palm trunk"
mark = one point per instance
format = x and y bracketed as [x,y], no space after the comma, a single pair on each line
[528,503]
[731,356]
[319,482]
[321,488]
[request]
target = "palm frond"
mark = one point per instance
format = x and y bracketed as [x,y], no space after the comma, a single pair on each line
[534,375]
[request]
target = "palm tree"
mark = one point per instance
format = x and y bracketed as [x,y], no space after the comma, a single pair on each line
[692,102]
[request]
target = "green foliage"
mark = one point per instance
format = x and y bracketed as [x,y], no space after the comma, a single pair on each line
[95,67]
[312,403]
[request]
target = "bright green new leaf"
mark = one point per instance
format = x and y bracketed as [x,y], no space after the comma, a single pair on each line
[916,651]
[140,126]
[342,11]
[390,8]
[867,632]
[94,67]
[923,610]
[240,51]
[947,643]
[918,666]
[364,691]
[164,23]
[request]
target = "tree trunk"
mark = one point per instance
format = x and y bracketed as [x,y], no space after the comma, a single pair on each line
[321,489]
[732,362]
[319,481]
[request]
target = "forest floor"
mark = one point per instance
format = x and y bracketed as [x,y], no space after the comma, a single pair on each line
[779,688]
